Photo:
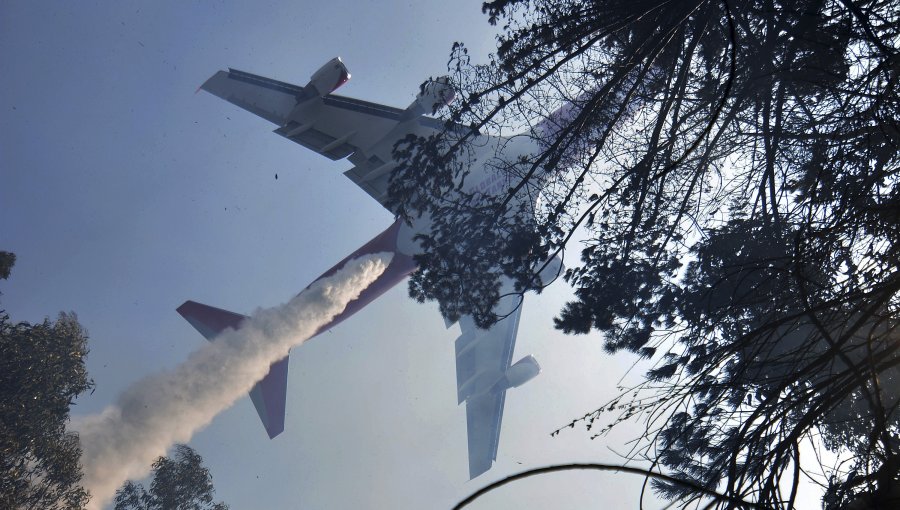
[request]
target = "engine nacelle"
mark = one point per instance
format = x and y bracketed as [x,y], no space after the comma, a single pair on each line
[434,95]
[329,77]
[550,271]
[519,373]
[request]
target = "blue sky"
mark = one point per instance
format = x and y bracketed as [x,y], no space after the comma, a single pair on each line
[124,193]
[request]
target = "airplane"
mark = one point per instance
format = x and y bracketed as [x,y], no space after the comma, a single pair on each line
[339,127]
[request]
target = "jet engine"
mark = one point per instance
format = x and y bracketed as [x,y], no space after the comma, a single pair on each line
[433,95]
[518,374]
[329,77]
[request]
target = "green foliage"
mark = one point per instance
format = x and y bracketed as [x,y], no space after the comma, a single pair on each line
[179,483]
[733,169]
[41,372]
[7,260]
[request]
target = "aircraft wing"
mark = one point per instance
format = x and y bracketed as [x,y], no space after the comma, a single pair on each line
[341,127]
[483,360]
[332,125]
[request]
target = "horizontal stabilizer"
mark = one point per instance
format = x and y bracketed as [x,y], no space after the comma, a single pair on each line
[209,320]
[270,394]
[269,397]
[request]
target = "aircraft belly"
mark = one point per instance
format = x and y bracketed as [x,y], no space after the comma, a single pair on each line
[339,127]
[406,243]
[400,267]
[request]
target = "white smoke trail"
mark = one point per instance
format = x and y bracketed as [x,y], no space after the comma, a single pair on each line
[153,414]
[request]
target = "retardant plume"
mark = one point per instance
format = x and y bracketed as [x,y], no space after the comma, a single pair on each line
[153,414]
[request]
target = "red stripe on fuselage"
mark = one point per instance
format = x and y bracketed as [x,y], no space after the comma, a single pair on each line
[400,267]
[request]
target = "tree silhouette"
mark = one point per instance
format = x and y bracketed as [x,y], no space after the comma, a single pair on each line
[7,260]
[41,373]
[179,483]
[732,167]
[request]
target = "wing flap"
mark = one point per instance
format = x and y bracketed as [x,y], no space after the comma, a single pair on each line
[484,415]
[466,365]
[482,359]
[332,147]
[270,99]
[372,174]
[335,126]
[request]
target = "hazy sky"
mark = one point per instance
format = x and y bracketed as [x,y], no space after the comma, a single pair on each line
[124,193]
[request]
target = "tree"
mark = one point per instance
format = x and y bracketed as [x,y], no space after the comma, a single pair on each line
[179,483]
[7,260]
[41,373]
[733,169]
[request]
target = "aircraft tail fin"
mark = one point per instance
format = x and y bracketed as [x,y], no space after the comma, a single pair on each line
[270,394]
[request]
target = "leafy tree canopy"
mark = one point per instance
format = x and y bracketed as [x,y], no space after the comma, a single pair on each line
[41,372]
[7,260]
[179,483]
[732,168]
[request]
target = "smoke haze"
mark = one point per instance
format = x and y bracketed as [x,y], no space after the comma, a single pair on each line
[122,442]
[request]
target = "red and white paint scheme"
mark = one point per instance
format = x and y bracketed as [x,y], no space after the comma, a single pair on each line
[364,133]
